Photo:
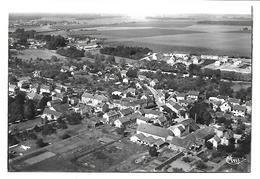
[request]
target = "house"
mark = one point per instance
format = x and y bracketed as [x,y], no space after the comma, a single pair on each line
[184,127]
[53,102]
[195,59]
[222,98]
[51,114]
[215,104]
[192,95]
[180,96]
[226,106]
[153,82]
[62,108]
[35,97]
[219,130]
[137,138]
[111,116]
[177,130]
[142,120]
[74,100]
[154,131]
[185,103]
[83,109]
[149,113]
[126,112]
[91,99]
[123,73]
[131,91]
[196,138]
[65,69]
[234,101]
[239,110]
[35,88]
[175,107]
[12,88]
[215,141]
[125,80]
[58,89]
[60,96]
[248,105]
[160,120]
[45,89]
[122,121]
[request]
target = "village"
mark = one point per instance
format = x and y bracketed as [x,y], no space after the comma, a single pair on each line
[131,123]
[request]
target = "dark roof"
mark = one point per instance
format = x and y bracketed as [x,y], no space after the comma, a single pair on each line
[154,130]
[150,111]
[112,113]
[126,111]
[239,108]
[193,93]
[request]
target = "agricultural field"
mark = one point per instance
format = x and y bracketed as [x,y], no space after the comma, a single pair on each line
[179,35]
[37,53]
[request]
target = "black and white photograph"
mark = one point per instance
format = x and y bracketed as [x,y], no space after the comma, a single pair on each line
[129,87]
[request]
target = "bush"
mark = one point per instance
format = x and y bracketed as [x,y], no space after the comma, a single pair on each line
[33,136]
[65,136]
[40,143]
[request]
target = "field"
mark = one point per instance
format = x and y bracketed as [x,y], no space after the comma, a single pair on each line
[184,36]
[37,53]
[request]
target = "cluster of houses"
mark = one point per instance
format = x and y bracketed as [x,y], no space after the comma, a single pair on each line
[187,59]
[233,105]
[145,112]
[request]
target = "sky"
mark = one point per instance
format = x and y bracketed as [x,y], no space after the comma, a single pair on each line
[135,8]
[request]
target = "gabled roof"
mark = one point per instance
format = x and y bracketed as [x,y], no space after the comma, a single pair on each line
[46,87]
[239,108]
[154,130]
[124,120]
[150,111]
[61,107]
[175,105]
[112,113]
[217,139]
[140,136]
[51,112]
[180,95]
[126,111]
[193,93]
[249,103]
[222,97]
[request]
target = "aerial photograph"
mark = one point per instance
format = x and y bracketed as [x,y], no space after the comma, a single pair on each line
[115,92]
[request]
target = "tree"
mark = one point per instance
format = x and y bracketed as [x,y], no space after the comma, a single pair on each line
[65,136]
[48,129]
[122,63]
[74,118]
[132,73]
[110,59]
[209,145]
[40,143]
[201,165]
[29,110]
[153,151]
[15,112]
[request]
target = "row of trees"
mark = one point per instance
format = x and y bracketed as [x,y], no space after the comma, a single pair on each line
[127,52]
[163,66]
[71,52]
[53,42]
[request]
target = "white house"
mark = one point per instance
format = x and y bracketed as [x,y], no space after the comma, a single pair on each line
[215,141]
[226,106]
[239,110]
